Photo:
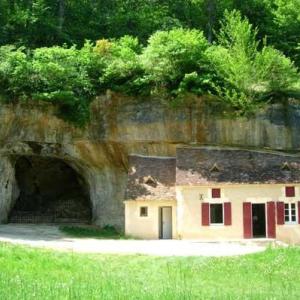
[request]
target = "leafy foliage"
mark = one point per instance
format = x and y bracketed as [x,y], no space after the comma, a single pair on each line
[277,72]
[238,68]
[176,60]
[40,23]
[248,74]
[58,75]
[122,67]
[285,27]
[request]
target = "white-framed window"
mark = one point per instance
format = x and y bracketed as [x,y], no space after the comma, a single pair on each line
[216,212]
[143,211]
[290,213]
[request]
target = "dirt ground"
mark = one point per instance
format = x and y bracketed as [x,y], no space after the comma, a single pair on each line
[49,236]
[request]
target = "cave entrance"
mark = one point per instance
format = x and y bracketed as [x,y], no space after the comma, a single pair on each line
[50,191]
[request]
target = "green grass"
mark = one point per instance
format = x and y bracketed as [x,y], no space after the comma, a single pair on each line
[92,232]
[27,273]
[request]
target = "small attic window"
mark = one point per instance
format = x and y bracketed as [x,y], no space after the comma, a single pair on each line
[285,167]
[215,168]
[149,180]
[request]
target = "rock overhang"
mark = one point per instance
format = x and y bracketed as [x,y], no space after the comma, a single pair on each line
[118,128]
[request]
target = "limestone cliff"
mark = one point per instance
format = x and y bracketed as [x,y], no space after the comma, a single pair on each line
[121,126]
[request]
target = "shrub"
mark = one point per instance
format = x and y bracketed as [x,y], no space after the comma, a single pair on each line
[60,75]
[14,70]
[122,68]
[175,56]
[277,72]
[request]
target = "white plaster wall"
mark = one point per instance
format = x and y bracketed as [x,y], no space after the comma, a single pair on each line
[146,227]
[189,210]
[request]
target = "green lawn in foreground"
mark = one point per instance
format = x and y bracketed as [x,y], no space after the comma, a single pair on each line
[39,274]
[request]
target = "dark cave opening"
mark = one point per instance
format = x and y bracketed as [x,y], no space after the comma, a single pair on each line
[50,191]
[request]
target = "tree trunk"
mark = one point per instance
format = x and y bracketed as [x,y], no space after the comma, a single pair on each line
[61,15]
[211,13]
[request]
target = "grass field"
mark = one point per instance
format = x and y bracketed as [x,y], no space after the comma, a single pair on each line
[92,232]
[27,273]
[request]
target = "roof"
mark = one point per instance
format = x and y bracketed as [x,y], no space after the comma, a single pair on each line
[151,178]
[208,165]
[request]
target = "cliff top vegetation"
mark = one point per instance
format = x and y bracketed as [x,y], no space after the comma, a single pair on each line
[242,55]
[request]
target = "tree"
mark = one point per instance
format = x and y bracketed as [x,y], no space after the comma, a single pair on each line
[176,61]
[247,74]
[285,30]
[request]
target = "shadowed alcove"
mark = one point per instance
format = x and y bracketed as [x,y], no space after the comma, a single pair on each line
[50,191]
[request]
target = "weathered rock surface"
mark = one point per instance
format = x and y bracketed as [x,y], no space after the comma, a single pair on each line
[122,126]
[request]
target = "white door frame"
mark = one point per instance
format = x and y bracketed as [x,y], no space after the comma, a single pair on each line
[161,223]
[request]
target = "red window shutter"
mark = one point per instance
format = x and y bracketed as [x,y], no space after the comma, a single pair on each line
[216,193]
[205,214]
[227,213]
[290,191]
[271,220]
[280,213]
[247,216]
[299,212]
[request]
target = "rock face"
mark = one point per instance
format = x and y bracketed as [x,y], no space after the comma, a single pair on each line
[120,127]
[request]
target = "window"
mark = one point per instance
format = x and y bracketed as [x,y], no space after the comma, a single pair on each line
[216,193]
[290,216]
[144,211]
[290,191]
[216,213]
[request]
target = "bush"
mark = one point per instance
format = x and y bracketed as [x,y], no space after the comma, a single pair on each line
[122,68]
[174,57]
[14,70]
[59,75]
[277,72]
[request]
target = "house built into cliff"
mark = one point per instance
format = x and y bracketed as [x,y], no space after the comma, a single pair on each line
[53,172]
[211,193]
